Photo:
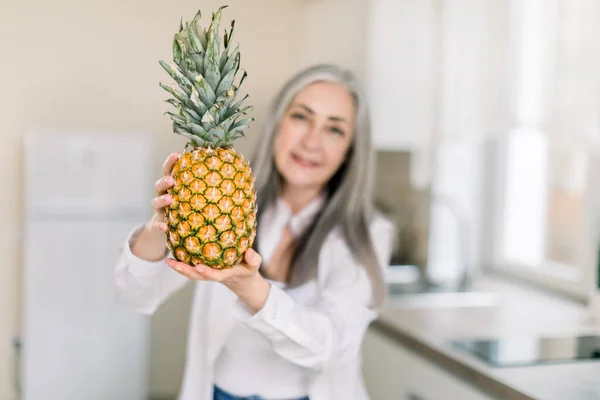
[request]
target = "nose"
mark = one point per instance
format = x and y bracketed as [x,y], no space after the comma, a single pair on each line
[312,138]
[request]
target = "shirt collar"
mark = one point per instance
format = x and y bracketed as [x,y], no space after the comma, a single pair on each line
[299,221]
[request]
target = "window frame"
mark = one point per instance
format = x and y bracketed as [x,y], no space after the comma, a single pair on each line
[575,282]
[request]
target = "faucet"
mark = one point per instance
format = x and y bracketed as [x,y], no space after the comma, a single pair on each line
[455,209]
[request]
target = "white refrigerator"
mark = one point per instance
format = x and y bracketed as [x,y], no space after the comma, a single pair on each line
[83,192]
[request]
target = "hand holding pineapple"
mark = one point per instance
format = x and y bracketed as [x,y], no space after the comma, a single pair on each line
[150,244]
[243,279]
[163,199]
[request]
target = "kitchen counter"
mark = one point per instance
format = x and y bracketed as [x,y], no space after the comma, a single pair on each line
[427,331]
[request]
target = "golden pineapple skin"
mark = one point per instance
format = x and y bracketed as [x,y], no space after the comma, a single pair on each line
[212,219]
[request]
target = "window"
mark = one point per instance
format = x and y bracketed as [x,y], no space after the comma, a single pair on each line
[542,234]
[543,231]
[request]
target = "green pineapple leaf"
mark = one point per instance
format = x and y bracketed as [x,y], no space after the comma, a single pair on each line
[176,93]
[176,117]
[207,110]
[227,80]
[216,20]
[177,53]
[217,134]
[230,34]
[242,124]
[196,45]
[174,102]
[198,59]
[198,130]
[213,115]
[244,75]
[231,61]
[183,82]
[232,136]
[197,101]
[190,115]
[205,91]
[208,119]
[226,124]
[198,141]
[227,43]
[211,58]
[211,70]
[233,109]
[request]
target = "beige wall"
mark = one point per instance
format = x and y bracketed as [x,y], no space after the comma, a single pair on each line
[94,65]
[334,31]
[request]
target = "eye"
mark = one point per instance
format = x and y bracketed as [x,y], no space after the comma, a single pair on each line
[336,130]
[298,116]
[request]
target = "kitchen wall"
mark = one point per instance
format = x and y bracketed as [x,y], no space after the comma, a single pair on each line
[94,65]
[334,31]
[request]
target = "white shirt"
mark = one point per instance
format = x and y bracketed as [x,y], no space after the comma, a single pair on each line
[275,219]
[324,337]
[248,364]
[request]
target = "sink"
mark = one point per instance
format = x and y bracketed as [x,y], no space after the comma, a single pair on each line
[444,300]
[407,289]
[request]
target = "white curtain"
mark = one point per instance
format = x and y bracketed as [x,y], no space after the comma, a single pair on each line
[573,106]
[513,64]
[505,64]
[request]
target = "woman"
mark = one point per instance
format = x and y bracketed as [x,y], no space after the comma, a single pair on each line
[288,322]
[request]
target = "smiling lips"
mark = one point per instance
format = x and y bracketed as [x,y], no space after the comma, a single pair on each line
[304,162]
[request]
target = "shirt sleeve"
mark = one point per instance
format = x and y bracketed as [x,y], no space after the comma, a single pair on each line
[330,333]
[142,285]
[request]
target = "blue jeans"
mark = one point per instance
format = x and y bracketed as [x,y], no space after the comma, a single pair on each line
[220,394]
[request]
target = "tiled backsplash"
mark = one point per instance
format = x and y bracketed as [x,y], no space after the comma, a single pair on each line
[409,207]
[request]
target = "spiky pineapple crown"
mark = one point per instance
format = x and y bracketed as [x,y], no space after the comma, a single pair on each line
[207,113]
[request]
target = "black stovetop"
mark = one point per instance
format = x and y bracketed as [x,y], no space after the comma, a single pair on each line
[520,350]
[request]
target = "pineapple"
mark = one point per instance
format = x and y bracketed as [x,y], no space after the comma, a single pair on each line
[212,219]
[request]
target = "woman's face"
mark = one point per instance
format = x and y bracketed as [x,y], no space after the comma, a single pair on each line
[314,135]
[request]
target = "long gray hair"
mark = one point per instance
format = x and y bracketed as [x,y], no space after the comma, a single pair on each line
[348,202]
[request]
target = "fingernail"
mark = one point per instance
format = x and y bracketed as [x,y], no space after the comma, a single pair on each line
[200,269]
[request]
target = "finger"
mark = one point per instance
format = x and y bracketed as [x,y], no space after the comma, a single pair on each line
[252,258]
[160,226]
[161,201]
[169,162]
[217,275]
[163,184]
[184,269]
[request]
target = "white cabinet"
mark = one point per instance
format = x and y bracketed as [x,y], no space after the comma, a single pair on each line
[437,69]
[399,63]
[393,372]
